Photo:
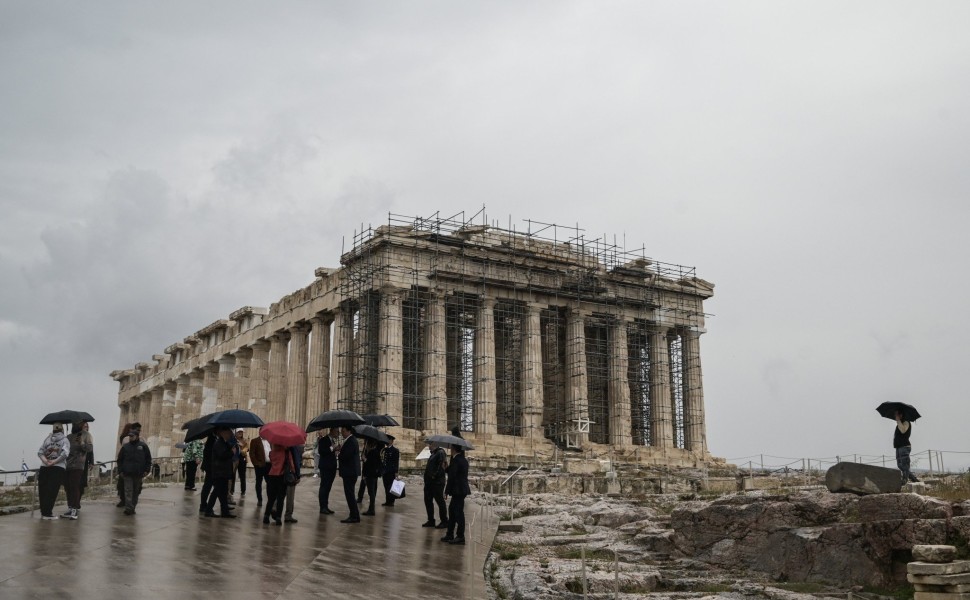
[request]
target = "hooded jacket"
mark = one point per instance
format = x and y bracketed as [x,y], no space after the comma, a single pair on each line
[56,449]
[135,458]
[81,443]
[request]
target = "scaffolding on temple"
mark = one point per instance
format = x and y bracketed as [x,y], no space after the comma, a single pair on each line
[609,354]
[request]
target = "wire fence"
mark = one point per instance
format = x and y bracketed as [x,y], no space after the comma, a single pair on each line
[929,462]
[164,470]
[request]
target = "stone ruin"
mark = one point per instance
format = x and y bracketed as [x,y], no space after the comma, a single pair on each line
[539,344]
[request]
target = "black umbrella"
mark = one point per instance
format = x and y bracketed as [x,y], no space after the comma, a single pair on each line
[451,440]
[334,418]
[202,419]
[196,429]
[235,417]
[888,410]
[372,433]
[66,416]
[381,421]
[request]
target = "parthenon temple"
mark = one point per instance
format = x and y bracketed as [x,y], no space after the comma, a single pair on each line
[535,343]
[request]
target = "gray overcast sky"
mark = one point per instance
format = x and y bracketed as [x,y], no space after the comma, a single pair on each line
[164,164]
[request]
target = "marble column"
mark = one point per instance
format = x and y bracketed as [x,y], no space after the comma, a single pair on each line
[166,423]
[342,388]
[180,411]
[196,386]
[227,372]
[296,376]
[152,429]
[695,428]
[242,378]
[318,396]
[621,433]
[532,396]
[390,356]
[259,378]
[210,388]
[276,393]
[577,388]
[661,405]
[483,369]
[124,418]
[435,389]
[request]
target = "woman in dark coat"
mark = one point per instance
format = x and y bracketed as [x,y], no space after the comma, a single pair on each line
[372,470]
[457,487]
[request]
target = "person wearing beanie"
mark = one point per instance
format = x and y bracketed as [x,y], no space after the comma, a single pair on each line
[53,454]
[134,463]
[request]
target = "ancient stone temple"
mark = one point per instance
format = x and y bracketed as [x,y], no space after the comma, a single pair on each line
[533,342]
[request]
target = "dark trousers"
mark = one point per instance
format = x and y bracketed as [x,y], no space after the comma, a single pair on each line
[75,479]
[434,493]
[220,492]
[456,511]
[49,482]
[206,491]
[191,468]
[389,498]
[349,483]
[240,476]
[326,484]
[261,473]
[121,488]
[132,491]
[371,482]
[275,496]
[360,490]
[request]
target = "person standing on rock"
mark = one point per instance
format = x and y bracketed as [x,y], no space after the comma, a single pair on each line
[903,448]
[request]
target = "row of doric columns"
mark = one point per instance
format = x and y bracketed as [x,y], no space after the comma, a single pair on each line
[284,378]
[291,375]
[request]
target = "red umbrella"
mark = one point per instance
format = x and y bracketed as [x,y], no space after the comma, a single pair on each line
[283,433]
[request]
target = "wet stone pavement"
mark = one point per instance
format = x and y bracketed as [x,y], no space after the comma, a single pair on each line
[168,551]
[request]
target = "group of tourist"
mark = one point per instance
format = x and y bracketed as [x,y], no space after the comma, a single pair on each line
[64,463]
[224,456]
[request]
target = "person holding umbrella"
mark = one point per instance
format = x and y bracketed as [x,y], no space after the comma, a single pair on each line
[903,447]
[348,459]
[458,489]
[53,454]
[81,444]
[220,472]
[372,469]
[434,486]
[280,461]
[326,446]
[392,464]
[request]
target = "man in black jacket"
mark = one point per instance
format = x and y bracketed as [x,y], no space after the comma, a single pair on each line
[134,462]
[434,486]
[328,468]
[349,469]
[458,489]
[392,463]
[220,472]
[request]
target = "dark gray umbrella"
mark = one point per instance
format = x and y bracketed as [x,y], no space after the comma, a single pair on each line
[66,416]
[335,418]
[235,417]
[450,440]
[381,421]
[888,410]
[372,433]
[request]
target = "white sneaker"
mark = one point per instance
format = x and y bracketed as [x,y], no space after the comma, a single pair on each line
[49,518]
[72,514]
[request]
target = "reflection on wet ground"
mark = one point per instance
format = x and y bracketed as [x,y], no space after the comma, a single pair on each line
[167,551]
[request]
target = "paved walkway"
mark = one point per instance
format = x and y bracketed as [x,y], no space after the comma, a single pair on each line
[167,551]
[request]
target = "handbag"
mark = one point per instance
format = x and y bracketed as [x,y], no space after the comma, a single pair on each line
[397,488]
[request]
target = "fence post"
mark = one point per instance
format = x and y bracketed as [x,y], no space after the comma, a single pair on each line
[582,551]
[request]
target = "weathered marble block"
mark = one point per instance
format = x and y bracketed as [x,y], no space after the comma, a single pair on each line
[934,553]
